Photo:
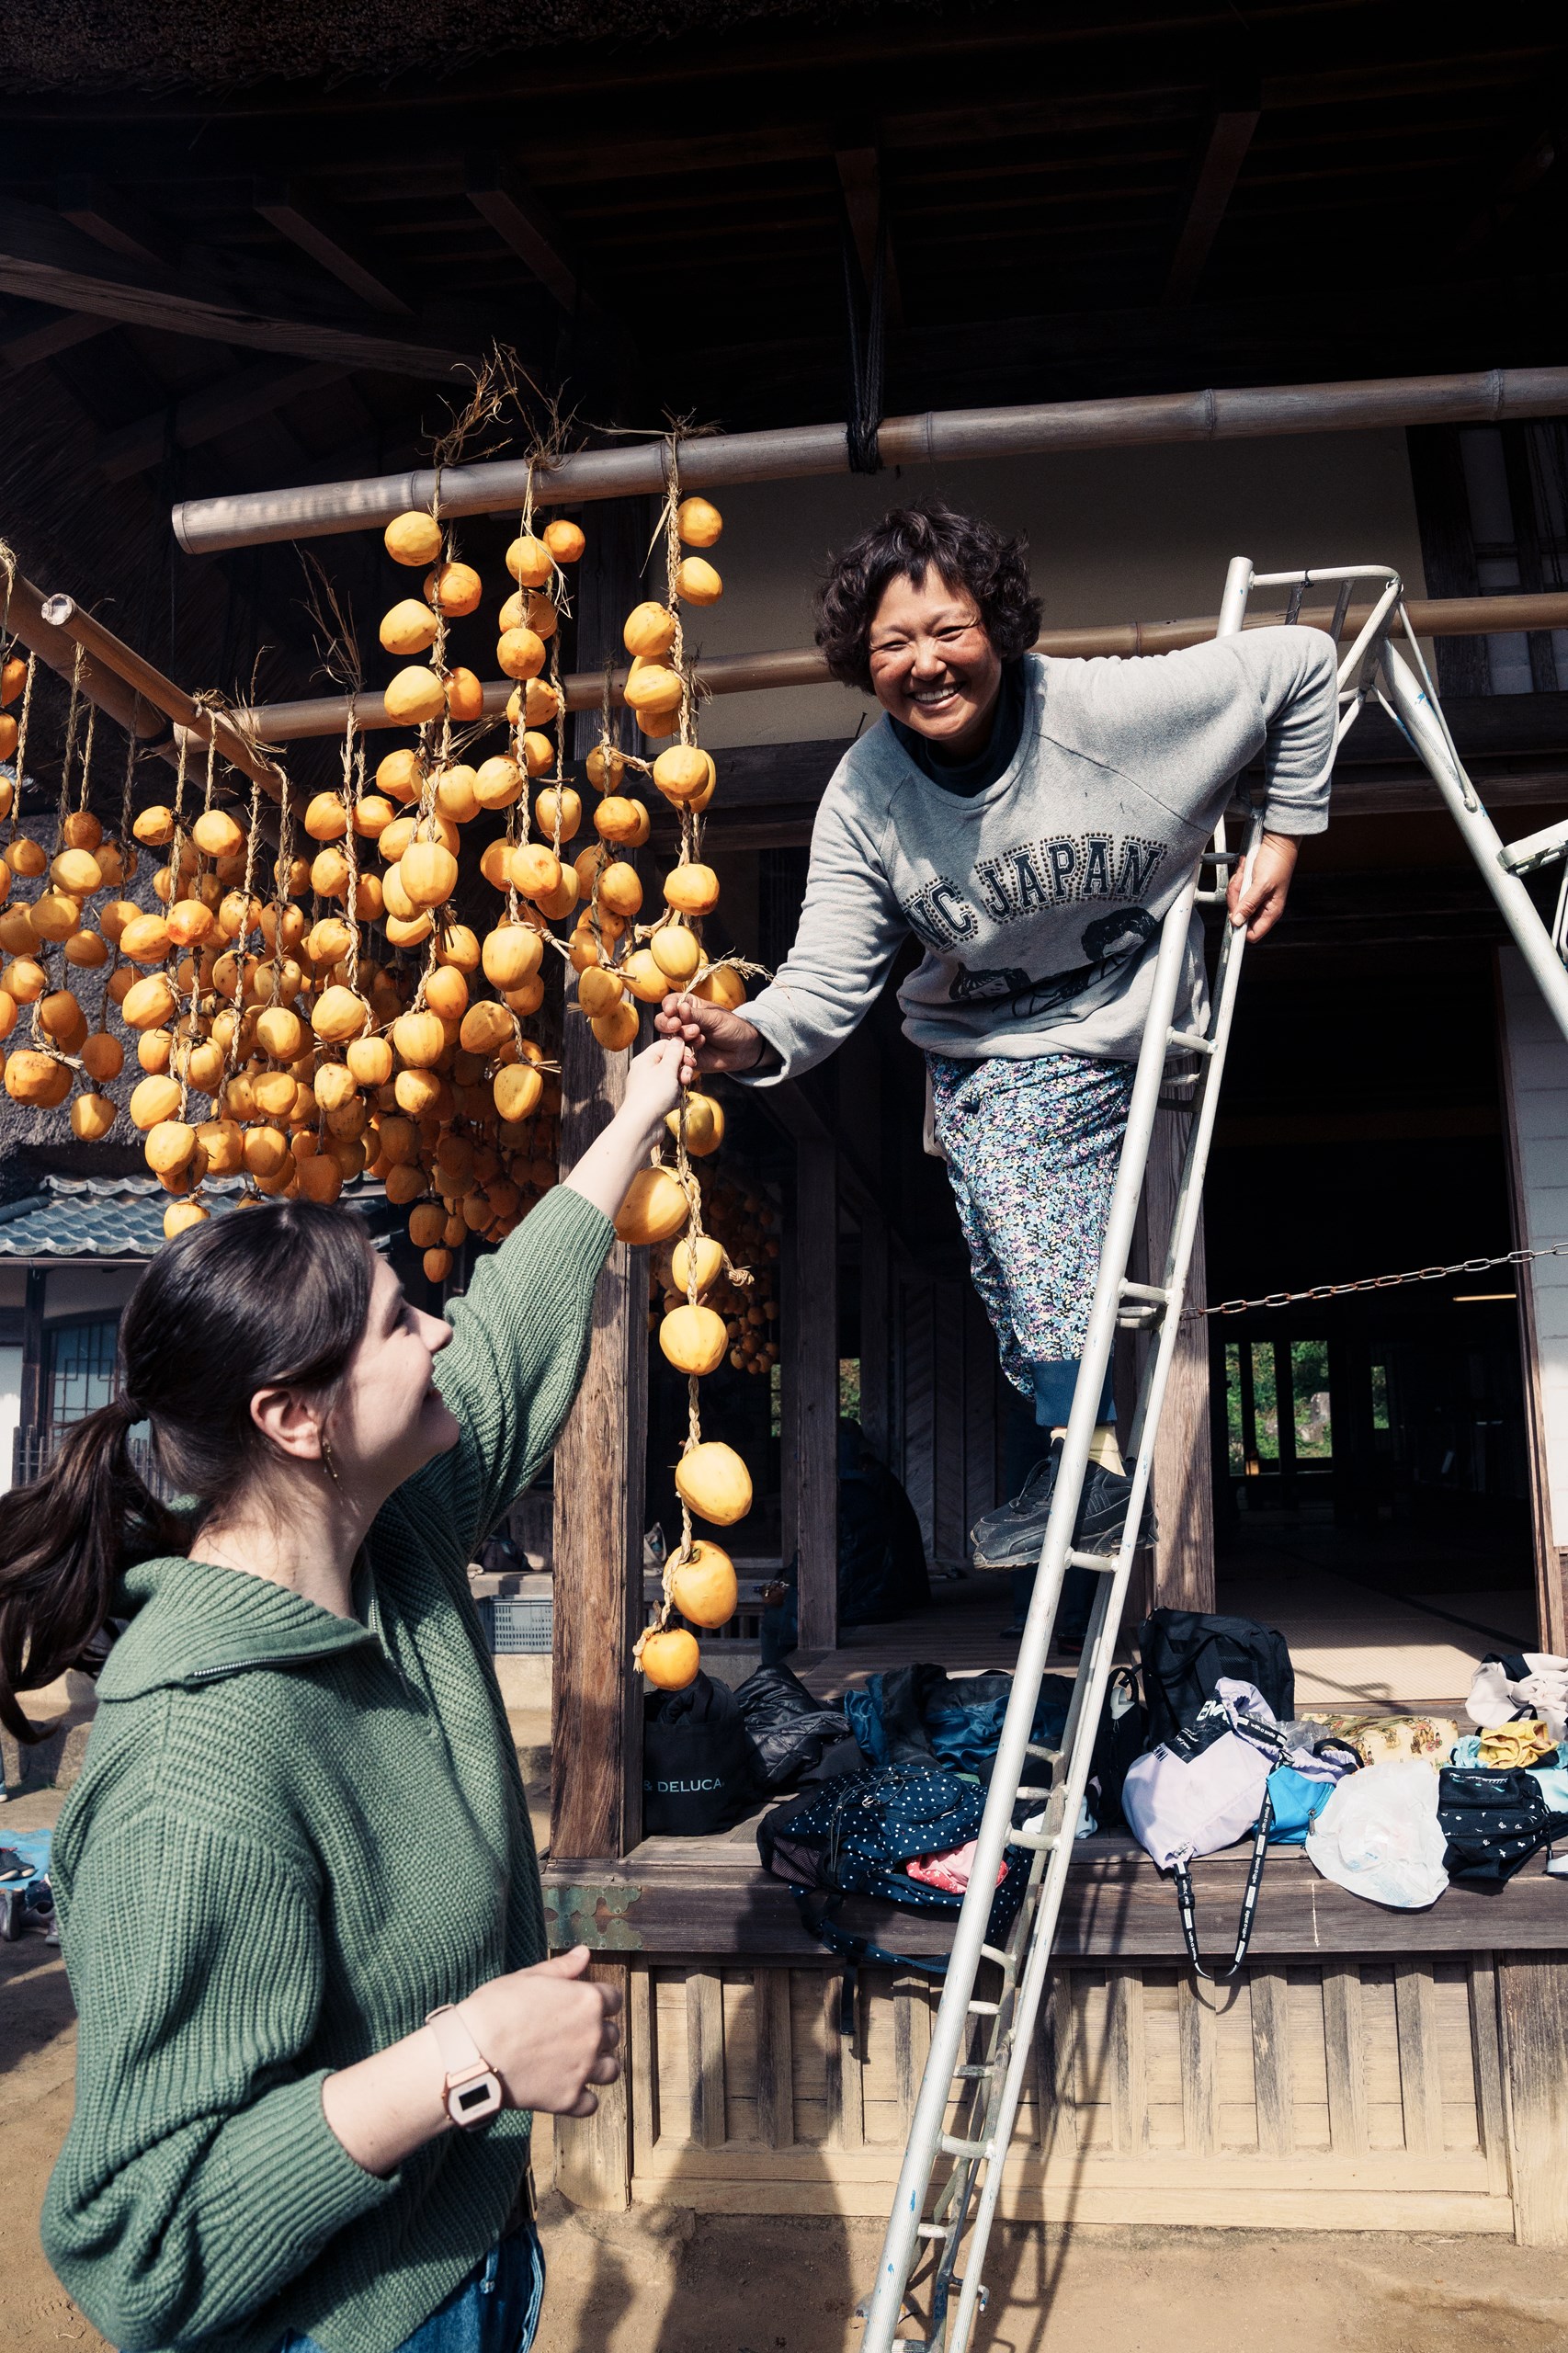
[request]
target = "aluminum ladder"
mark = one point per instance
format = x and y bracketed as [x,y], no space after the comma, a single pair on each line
[968,2103]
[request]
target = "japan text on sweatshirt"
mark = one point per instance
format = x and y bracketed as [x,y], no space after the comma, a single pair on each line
[1038,901]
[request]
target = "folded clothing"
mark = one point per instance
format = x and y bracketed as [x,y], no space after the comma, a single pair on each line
[1392,1740]
[1493,1822]
[951,1872]
[1525,1742]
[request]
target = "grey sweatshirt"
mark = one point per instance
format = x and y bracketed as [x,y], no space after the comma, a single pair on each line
[1039,900]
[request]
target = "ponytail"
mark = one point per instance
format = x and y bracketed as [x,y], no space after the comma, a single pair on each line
[68,1537]
[274,1298]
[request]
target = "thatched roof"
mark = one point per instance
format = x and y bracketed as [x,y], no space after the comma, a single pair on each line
[185,44]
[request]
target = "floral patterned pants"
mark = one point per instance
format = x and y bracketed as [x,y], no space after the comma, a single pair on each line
[1031,1149]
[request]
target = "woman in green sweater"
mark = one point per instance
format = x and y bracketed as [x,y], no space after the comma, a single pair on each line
[300,1830]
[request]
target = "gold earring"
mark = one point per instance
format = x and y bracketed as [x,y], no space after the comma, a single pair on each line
[331,1465]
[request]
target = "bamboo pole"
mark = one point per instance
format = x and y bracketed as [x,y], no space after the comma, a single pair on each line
[718,461]
[99,681]
[733,674]
[150,686]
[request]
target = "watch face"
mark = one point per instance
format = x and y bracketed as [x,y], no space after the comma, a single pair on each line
[470,2103]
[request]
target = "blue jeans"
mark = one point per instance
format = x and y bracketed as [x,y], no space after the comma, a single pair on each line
[494,2309]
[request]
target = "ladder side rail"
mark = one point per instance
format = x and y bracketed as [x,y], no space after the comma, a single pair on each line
[952,2016]
[1108,1602]
[1408,703]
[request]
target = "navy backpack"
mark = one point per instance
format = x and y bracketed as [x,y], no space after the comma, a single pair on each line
[852,1837]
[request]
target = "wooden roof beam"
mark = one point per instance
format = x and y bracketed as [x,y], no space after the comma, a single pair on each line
[45,259]
[522,223]
[29,333]
[865,200]
[111,218]
[1229,135]
[220,408]
[318,231]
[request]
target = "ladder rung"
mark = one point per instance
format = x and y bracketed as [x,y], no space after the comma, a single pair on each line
[1103,1561]
[1030,1789]
[1155,1293]
[957,2148]
[1190,1041]
[989,1952]
[930,2230]
[974,2072]
[1535,849]
[1048,1756]
[1140,1319]
[1219,856]
[983,2009]
[1210,898]
[1035,1842]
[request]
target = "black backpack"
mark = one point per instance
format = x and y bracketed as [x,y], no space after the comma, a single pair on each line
[699,1769]
[1494,1822]
[1185,1654]
[851,1836]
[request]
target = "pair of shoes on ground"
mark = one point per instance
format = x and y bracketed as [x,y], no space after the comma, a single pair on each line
[1011,1535]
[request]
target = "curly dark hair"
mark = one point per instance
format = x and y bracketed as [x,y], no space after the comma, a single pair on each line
[966,553]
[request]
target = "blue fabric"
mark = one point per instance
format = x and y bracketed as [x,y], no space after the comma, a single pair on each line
[1553,1785]
[1053,1387]
[495,2309]
[964,1735]
[32,1845]
[1297,1799]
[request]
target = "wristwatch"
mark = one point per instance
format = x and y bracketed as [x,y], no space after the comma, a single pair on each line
[472,2091]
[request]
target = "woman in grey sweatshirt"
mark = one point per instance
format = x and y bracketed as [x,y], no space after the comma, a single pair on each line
[1029,820]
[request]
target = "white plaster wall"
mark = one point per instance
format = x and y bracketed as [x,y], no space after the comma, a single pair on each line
[1538,1059]
[1115,535]
[10,1408]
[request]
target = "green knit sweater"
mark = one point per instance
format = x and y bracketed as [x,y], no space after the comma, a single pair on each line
[295,1835]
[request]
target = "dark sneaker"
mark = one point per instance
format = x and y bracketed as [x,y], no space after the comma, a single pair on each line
[1102,1514]
[1010,1537]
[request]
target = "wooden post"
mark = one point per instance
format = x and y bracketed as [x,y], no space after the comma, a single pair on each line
[810,1359]
[1533,1997]
[875,1355]
[597,1745]
[1184,1477]
[30,1418]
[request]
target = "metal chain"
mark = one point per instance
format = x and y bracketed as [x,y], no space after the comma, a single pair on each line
[1382,1282]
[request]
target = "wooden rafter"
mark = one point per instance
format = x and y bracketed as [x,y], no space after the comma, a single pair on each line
[316,229]
[521,222]
[1229,136]
[44,259]
[29,333]
[112,218]
[251,392]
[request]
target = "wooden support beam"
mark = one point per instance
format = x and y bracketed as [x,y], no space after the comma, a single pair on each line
[521,222]
[112,218]
[1229,136]
[220,408]
[865,198]
[811,1374]
[1518,182]
[29,333]
[45,259]
[316,228]
[596,1747]
[1532,1998]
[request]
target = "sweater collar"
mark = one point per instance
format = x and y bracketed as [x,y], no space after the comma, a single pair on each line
[193,1620]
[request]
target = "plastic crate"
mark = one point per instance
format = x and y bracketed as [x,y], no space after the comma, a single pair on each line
[519,1623]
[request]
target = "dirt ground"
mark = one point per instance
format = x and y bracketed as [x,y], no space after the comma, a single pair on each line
[663,2280]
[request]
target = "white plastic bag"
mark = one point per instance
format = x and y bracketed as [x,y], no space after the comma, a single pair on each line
[1379,1836]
